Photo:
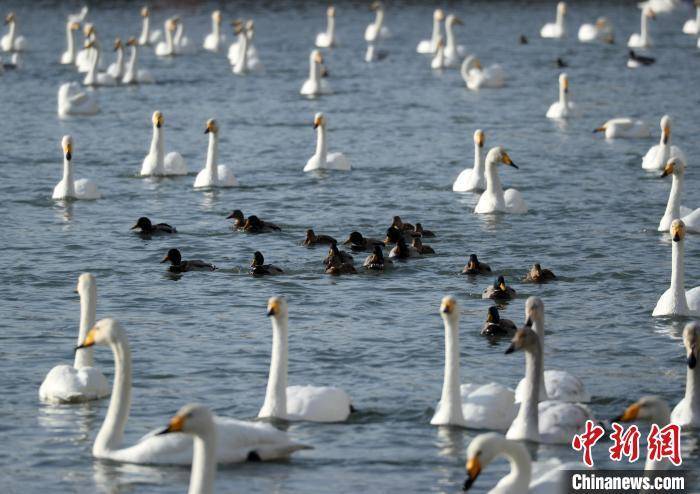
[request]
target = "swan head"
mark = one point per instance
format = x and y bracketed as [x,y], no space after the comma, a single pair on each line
[665,128]
[132,42]
[649,12]
[376,6]
[561,8]
[499,155]
[493,315]
[453,19]
[277,307]
[674,166]
[157,119]
[691,341]
[90,44]
[145,12]
[449,310]
[316,57]
[193,419]
[67,146]
[143,223]
[652,408]
[330,12]
[212,127]
[534,307]
[173,256]
[479,138]
[171,24]
[564,82]
[258,259]
[216,16]
[439,14]
[88,29]
[524,339]
[118,44]
[677,230]
[105,332]
[602,22]
[482,450]
[10,18]
[86,284]
[319,120]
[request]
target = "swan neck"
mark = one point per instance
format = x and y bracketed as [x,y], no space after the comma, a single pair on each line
[314,70]
[436,33]
[643,27]
[678,272]
[478,160]
[11,33]
[451,398]
[213,152]
[169,39]
[528,413]
[330,29]
[243,53]
[321,145]
[146,29]
[673,207]
[563,96]
[158,148]
[70,41]
[276,395]
[692,388]
[493,181]
[215,30]
[68,177]
[88,302]
[203,463]
[697,18]
[379,20]
[518,479]
[449,36]
[538,328]
[560,18]
[92,76]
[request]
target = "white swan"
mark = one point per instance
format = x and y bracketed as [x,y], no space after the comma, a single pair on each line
[687,412]
[234,51]
[81,381]
[215,39]
[376,30]
[642,39]
[181,41]
[453,51]
[494,200]
[68,56]
[624,128]
[83,59]
[556,29]
[660,6]
[428,46]
[676,301]
[198,421]
[80,16]
[439,61]
[293,403]
[485,406]
[68,188]
[214,174]
[12,41]
[242,63]
[473,179]
[315,85]
[657,156]
[74,100]
[525,477]
[238,441]
[674,210]
[547,422]
[326,39]
[601,31]
[94,77]
[116,68]
[132,74]
[147,36]
[167,48]
[556,385]
[692,26]
[322,159]
[476,77]
[156,162]
[562,108]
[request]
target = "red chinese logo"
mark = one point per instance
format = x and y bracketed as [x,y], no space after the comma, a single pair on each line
[625,443]
[665,443]
[586,440]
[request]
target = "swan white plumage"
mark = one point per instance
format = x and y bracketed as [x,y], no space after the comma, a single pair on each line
[439,62]
[242,63]
[562,108]
[428,46]
[181,41]
[687,412]
[656,158]
[315,85]
[166,48]
[692,26]
[93,76]
[68,187]
[601,31]
[12,41]
[555,384]
[214,174]
[676,301]
[68,56]
[116,68]
[234,51]
[148,37]
[326,39]
[494,200]
[453,51]
[376,30]
[83,59]
[476,77]
[237,440]
[74,100]
[80,16]
[215,39]
[322,159]
[81,381]
[660,6]
[132,74]
[642,39]
[485,406]
[156,162]
[691,218]
[624,128]
[556,29]
[294,403]
[473,179]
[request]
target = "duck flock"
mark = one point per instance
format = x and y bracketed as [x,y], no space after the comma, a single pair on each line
[548,406]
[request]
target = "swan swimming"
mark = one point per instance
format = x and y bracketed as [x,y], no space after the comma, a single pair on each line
[116,68]
[81,381]
[167,48]
[676,301]
[294,403]
[601,31]
[642,39]
[656,158]
[624,128]
[214,174]
[68,56]
[132,74]
[238,440]
[94,77]
[376,30]
[181,41]
[74,100]
[477,406]
[562,108]
[83,59]
[242,62]
[215,40]
[687,412]
[473,179]
[147,36]
[12,41]
[68,188]
[556,29]
[156,162]
[326,39]
[660,6]
[428,46]
[692,26]
[322,159]
[315,85]
[476,77]
[691,218]
[439,61]
[494,200]
[234,51]
[453,51]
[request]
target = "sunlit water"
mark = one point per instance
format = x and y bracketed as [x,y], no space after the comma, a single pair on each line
[408,132]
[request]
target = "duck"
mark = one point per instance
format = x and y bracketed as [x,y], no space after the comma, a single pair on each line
[687,412]
[691,218]
[146,228]
[539,275]
[562,108]
[376,261]
[453,51]
[393,234]
[601,31]
[377,30]
[68,56]
[116,68]
[238,219]
[177,265]
[676,301]
[496,326]
[642,39]
[239,440]
[417,244]
[326,39]
[213,174]
[556,29]
[11,41]
[315,85]
[73,100]
[429,46]
[296,403]
[94,77]
[337,261]
[420,232]
[473,179]
[81,381]
[477,77]
[69,188]
[157,163]
[322,159]
[253,224]
[358,242]
[439,62]
[474,266]
[494,199]
[167,47]
[692,26]
[624,128]
[259,268]
[658,156]
[634,60]
[215,40]
[476,406]
[132,74]
[148,37]
[403,251]
[499,290]
[313,239]
[522,39]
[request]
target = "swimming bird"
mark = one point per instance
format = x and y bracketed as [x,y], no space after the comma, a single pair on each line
[539,275]
[181,41]
[235,52]
[687,412]
[177,265]
[476,77]
[81,381]
[94,77]
[421,248]
[634,60]
[132,74]
[83,59]
[313,239]
[494,199]
[259,268]
[146,228]
[473,179]
[601,31]
[358,242]
[376,30]
[338,262]
[147,36]
[398,223]
[116,68]
[215,39]
[562,108]
[523,39]
[322,159]
[68,187]
[80,16]
[642,39]
[156,162]
[439,62]
[238,440]
[499,290]
[474,266]
[240,63]
[453,51]
[238,219]
[326,39]
[420,232]
[556,29]
[691,218]
[296,403]
[496,326]
[692,26]
[376,261]
[393,234]
[477,406]
[315,85]
[68,56]
[624,128]
[12,41]
[660,6]
[76,101]
[402,250]
[213,174]
[428,46]
[253,224]
[657,157]
[167,47]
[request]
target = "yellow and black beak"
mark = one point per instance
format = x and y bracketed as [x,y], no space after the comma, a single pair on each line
[630,414]
[692,359]
[176,424]
[473,471]
[508,161]
[210,128]
[447,307]
[668,170]
[273,307]
[677,232]
[88,341]
[75,26]
[317,122]
[68,150]
[599,129]
[159,121]
[666,134]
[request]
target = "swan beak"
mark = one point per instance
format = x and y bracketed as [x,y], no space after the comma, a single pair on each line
[318,58]
[599,129]
[629,414]
[480,140]
[692,360]
[145,12]
[272,308]
[374,6]
[668,170]
[117,45]
[88,341]
[324,71]
[528,322]
[652,14]
[508,161]
[473,471]
[158,121]
[667,134]
[68,149]
[459,21]
[677,231]
[175,425]
[317,122]
[447,306]
[510,349]
[74,26]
